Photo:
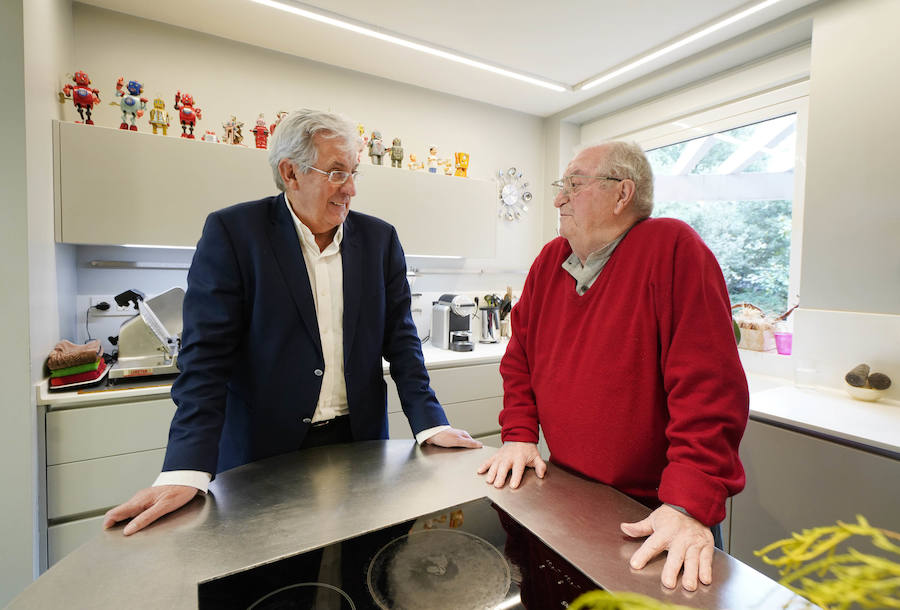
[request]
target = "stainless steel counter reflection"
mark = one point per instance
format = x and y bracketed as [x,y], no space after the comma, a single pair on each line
[277,508]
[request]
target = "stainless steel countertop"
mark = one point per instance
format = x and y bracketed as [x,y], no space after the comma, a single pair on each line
[279,507]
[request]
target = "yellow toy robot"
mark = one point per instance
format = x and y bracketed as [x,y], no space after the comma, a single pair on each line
[462,164]
[158,116]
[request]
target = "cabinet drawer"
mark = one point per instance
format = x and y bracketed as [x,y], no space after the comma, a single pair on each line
[65,538]
[91,485]
[93,432]
[457,384]
[477,417]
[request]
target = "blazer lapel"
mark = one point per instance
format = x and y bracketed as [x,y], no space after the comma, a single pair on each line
[352,263]
[289,255]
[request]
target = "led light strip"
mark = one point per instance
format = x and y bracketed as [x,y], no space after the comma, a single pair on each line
[675,45]
[296,10]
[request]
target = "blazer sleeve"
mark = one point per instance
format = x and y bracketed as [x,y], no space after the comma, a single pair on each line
[213,322]
[403,349]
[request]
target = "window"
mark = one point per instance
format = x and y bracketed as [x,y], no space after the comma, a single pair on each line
[736,189]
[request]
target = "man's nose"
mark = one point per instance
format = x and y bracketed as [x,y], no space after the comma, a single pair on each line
[560,199]
[349,187]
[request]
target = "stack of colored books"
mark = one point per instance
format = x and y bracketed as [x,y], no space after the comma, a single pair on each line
[72,364]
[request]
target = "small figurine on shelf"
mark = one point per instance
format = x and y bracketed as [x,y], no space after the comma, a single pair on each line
[278,116]
[413,164]
[447,165]
[432,159]
[232,133]
[261,132]
[83,96]
[376,148]
[462,164]
[396,153]
[159,118]
[187,113]
[132,104]
[210,136]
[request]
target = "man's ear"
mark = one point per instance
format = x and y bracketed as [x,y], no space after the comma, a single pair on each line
[626,195]
[288,172]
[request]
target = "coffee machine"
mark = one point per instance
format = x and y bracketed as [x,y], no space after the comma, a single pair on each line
[450,323]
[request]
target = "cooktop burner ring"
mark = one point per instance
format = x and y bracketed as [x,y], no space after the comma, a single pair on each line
[260,603]
[438,568]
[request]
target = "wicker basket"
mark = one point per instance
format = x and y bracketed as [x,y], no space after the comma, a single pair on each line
[759,339]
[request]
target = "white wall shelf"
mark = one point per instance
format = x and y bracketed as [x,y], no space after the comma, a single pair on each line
[115,187]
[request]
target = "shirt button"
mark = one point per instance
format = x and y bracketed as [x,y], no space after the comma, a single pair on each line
[318,372]
[307,420]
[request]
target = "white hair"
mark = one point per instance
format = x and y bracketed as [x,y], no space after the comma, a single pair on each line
[627,160]
[293,138]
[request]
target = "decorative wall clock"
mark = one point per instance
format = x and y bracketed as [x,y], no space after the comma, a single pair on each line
[514,194]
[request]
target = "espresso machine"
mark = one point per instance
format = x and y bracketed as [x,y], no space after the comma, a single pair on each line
[450,327]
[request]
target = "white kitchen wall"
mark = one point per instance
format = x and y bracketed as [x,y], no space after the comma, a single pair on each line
[227,78]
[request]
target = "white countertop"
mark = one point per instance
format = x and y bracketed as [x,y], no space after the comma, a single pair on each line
[435,358]
[830,413]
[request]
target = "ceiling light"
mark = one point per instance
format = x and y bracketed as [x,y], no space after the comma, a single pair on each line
[416,46]
[675,45]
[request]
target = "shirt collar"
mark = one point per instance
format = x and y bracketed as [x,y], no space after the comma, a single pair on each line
[308,240]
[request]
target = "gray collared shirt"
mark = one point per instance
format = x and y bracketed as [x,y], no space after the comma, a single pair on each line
[585,275]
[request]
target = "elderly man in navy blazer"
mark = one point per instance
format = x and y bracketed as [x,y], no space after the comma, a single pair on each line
[292,302]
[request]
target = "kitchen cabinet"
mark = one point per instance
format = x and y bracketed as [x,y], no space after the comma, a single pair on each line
[797,481]
[97,456]
[472,397]
[115,187]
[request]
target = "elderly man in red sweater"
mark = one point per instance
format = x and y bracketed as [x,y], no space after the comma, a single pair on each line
[623,352]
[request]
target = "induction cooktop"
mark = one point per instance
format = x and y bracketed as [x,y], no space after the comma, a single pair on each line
[465,557]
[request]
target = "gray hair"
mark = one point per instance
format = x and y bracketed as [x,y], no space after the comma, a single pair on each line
[627,160]
[293,139]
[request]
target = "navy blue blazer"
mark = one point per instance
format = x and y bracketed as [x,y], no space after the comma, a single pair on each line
[251,348]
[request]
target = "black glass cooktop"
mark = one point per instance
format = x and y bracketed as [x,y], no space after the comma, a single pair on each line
[469,556]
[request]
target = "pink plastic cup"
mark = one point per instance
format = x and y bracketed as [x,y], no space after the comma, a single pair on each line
[783,343]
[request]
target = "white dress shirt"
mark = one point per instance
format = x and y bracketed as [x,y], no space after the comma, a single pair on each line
[326,277]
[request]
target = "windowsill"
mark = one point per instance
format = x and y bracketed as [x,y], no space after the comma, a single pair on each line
[771,364]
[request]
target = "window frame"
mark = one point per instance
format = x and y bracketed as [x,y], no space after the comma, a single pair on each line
[731,116]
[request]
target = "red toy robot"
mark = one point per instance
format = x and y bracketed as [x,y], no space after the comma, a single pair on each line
[82,95]
[261,132]
[188,114]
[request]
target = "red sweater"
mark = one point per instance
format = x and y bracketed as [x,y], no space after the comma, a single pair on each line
[637,383]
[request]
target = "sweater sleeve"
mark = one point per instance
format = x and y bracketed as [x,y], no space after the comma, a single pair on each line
[519,416]
[705,384]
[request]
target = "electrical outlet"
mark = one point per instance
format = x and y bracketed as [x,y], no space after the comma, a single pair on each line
[114,309]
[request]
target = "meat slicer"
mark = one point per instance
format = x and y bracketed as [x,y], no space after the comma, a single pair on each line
[149,342]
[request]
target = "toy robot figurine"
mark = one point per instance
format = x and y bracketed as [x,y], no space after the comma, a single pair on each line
[82,95]
[159,118]
[187,113]
[261,132]
[132,104]
[376,148]
[462,164]
[432,160]
[232,133]
[396,152]
[278,116]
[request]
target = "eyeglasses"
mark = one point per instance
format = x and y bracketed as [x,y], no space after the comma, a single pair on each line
[336,176]
[567,185]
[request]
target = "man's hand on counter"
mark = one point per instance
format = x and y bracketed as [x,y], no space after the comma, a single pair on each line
[512,459]
[148,505]
[452,437]
[687,541]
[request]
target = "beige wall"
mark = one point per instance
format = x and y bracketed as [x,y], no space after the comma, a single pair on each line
[227,78]
[16,444]
[851,252]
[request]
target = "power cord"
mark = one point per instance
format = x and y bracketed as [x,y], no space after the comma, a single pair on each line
[101,306]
